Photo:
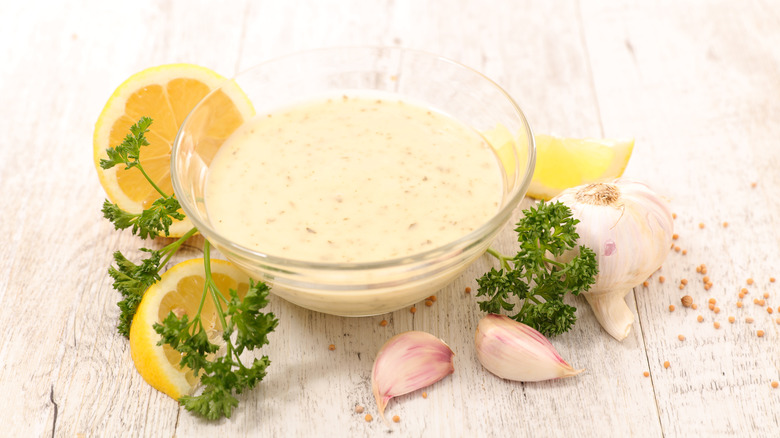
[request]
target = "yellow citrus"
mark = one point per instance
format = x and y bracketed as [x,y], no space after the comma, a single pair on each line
[568,162]
[166,94]
[179,291]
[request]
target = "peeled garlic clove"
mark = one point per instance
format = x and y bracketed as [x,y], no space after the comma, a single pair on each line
[407,362]
[630,229]
[515,351]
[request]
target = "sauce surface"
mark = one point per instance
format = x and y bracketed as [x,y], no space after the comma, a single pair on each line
[352,179]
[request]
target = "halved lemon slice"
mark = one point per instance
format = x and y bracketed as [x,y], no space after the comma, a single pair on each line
[166,94]
[568,162]
[179,291]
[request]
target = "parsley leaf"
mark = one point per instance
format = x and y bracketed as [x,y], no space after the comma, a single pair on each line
[533,276]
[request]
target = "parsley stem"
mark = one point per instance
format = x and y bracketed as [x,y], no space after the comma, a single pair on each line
[171,249]
[210,284]
[504,260]
[143,172]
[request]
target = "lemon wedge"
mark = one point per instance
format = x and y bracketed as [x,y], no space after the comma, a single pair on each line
[562,163]
[166,94]
[179,291]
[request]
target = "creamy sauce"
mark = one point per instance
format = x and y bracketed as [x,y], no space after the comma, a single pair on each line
[352,179]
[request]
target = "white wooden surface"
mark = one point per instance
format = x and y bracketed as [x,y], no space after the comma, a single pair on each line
[696,83]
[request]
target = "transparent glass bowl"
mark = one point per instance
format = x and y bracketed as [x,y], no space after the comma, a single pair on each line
[360,289]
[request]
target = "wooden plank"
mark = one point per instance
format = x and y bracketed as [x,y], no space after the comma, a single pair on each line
[696,86]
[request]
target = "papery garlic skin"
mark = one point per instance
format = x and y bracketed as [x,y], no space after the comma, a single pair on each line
[515,351]
[630,229]
[407,362]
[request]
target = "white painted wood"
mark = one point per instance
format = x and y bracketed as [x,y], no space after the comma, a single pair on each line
[695,83]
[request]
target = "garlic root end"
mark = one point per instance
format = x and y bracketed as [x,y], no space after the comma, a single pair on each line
[612,313]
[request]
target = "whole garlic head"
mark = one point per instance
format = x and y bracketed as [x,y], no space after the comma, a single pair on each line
[630,229]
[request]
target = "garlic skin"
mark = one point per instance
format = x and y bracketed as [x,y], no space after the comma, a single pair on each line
[407,362]
[630,229]
[514,351]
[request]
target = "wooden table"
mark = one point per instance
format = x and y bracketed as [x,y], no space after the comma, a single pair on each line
[696,83]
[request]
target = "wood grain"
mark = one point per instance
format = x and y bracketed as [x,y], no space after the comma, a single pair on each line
[695,83]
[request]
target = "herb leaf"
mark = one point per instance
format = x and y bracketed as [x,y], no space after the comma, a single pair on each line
[534,278]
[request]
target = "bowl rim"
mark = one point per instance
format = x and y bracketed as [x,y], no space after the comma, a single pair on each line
[442,251]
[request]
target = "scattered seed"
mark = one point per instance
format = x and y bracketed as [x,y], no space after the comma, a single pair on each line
[661,279]
[694,306]
[666,364]
[775,384]
[700,318]
[359,409]
[716,324]
[677,249]
[716,309]
[383,323]
[646,374]
[706,279]
[685,252]
[760,333]
[413,309]
[761,303]
[674,215]
[432,298]
[744,290]
[725,224]
[703,269]
[698,269]
[671,307]
[739,304]
[769,310]
[396,418]
[425,394]
[686,301]
[753,185]
[777,320]
[428,303]
[682,286]
[712,301]
[755,300]
[711,306]
[468,290]
[675,236]
[707,286]
[771,279]
[749,281]
[684,281]
[331,347]
[749,320]
[369,417]
[766,294]
[731,319]
[681,337]
[741,295]
[701,224]
[645,284]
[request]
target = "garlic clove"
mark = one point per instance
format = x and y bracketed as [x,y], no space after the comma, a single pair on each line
[407,362]
[612,313]
[515,351]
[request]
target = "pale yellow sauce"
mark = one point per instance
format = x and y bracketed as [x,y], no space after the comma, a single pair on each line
[352,179]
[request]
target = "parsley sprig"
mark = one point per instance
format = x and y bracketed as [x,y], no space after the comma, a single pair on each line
[245,326]
[226,374]
[155,220]
[534,277]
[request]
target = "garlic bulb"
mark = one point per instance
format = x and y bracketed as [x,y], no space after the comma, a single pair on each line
[407,362]
[515,351]
[630,229]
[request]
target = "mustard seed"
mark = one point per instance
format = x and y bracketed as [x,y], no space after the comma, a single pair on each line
[667,364]
[432,298]
[671,307]
[369,417]
[645,284]
[771,279]
[725,224]
[413,309]
[428,303]
[716,324]
[425,394]
[760,333]
[681,337]
[396,418]
[766,294]
[731,319]
[684,281]
[685,252]
[775,384]
[749,320]
[661,279]
[675,236]
[646,374]
[700,318]
[383,323]
[749,281]
[331,347]
[468,290]
[701,225]
[694,306]
[712,301]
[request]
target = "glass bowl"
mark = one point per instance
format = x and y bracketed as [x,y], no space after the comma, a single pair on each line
[370,288]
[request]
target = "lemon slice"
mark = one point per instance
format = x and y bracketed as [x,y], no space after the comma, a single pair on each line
[165,93]
[568,162]
[179,291]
